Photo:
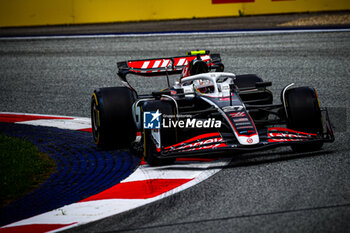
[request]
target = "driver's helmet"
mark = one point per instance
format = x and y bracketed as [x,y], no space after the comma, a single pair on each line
[204,86]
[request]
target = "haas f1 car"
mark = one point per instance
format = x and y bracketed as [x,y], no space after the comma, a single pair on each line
[206,111]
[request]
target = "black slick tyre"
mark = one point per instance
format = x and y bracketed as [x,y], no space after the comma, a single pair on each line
[304,114]
[111,117]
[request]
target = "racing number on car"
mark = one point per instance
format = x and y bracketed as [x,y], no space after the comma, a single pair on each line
[232,108]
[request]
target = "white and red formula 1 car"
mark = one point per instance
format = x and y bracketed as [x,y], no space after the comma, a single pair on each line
[207,111]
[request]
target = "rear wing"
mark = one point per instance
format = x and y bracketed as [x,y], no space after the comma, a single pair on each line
[167,66]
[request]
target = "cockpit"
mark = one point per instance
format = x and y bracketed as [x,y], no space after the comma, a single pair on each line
[213,84]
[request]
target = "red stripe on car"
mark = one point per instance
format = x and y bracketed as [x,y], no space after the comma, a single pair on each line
[207,135]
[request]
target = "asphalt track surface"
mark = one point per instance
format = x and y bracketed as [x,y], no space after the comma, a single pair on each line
[270,191]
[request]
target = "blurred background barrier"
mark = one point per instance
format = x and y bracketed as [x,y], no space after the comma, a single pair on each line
[61,12]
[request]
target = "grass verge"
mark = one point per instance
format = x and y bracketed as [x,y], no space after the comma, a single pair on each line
[22,168]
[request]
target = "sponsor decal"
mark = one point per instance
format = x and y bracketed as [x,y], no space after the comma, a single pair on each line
[245,127]
[290,131]
[243,123]
[225,99]
[201,145]
[285,140]
[240,119]
[151,120]
[249,140]
[195,139]
[232,108]
[246,131]
[285,135]
[237,114]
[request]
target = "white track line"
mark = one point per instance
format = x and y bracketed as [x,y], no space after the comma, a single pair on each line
[233,32]
[75,124]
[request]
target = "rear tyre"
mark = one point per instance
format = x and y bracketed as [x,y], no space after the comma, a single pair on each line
[304,114]
[167,135]
[111,117]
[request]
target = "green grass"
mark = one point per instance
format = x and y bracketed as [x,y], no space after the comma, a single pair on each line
[22,168]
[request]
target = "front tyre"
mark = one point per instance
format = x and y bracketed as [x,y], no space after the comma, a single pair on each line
[304,114]
[111,117]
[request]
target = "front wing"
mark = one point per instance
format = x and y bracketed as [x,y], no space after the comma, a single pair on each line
[216,142]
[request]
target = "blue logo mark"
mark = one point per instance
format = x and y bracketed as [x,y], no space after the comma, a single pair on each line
[151,120]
